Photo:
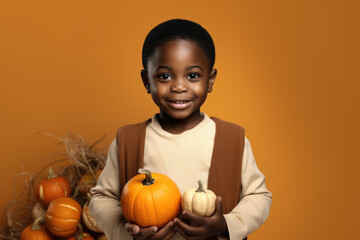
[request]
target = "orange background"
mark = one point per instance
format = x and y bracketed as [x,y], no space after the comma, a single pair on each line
[288,71]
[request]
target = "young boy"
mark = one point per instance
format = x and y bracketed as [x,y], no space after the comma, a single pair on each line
[183,143]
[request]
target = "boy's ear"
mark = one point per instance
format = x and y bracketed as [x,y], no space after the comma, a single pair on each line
[212,77]
[145,80]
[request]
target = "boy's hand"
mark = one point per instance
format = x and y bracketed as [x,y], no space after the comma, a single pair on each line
[202,227]
[151,233]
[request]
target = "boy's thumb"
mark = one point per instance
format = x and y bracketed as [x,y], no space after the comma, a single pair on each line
[218,204]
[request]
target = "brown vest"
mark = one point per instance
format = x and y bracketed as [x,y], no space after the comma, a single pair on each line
[225,169]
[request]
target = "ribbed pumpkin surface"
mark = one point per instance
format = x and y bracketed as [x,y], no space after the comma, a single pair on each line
[88,220]
[62,216]
[50,189]
[152,205]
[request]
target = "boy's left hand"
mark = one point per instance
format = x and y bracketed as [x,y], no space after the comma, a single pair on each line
[202,227]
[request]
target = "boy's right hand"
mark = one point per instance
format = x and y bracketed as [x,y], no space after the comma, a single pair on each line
[151,233]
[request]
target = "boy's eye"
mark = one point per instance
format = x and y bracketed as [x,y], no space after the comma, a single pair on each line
[193,76]
[164,76]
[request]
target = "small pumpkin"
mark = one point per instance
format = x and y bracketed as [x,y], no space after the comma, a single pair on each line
[51,188]
[87,181]
[150,199]
[38,211]
[36,231]
[199,201]
[81,235]
[63,216]
[88,220]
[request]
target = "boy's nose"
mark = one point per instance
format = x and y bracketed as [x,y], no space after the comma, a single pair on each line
[179,86]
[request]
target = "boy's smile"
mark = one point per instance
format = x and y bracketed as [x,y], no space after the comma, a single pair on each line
[178,78]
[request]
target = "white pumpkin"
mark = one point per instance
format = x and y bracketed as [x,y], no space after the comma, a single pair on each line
[199,201]
[38,211]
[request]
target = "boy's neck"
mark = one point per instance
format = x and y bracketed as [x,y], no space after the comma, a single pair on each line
[177,126]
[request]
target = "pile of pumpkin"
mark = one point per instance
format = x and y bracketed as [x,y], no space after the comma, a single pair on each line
[57,215]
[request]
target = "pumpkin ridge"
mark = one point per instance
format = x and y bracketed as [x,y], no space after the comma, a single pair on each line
[135,213]
[68,206]
[57,229]
[59,217]
[41,192]
[132,212]
[153,203]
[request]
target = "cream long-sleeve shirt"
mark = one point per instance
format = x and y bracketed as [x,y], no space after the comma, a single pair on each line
[185,158]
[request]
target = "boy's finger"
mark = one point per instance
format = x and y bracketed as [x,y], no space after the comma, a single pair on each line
[189,230]
[170,234]
[166,232]
[138,232]
[183,234]
[132,228]
[146,232]
[218,204]
[168,227]
[193,217]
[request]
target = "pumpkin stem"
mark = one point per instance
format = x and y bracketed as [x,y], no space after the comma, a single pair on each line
[51,174]
[36,225]
[201,187]
[79,235]
[148,178]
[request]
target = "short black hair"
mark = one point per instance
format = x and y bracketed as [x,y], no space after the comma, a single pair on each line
[174,29]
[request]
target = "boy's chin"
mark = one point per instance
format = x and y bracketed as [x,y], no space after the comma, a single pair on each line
[181,116]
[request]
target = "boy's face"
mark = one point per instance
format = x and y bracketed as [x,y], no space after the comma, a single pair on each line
[179,78]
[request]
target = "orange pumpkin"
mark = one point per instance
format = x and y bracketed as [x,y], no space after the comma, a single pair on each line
[36,231]
[63,216]
[87,181]
[51,188]
[81,235]
[88,220]
[150,199]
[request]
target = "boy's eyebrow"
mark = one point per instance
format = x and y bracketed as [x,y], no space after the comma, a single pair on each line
[195,66]
[187,68]
[166,67]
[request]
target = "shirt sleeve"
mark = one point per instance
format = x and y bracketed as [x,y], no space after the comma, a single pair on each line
[255,199]
[105,202]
